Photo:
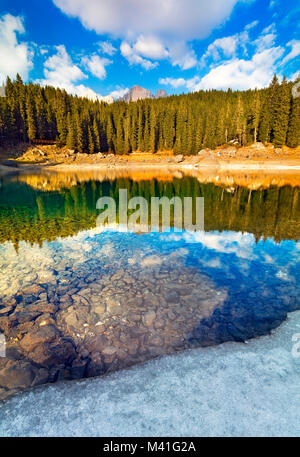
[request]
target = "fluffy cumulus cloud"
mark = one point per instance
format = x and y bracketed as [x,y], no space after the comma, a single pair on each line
[119,93]
[295,51]
[230,64]
[241,73]
[16,57]
[266,39]
[151,47]
[107,48]
[236,74]
[60,71]
[180,19]
[228,47]
[96,65]
[134,58]
[152,29]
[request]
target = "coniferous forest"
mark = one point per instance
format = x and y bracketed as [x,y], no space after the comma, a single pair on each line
[182,123]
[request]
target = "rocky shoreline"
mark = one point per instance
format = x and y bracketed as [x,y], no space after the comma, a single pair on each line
[228,157]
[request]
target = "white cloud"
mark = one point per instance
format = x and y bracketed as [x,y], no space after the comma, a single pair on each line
[266,39]
[60,71]
[226,46]
[243,74]
[134,58]
[107,48]
[119,93]
[236,74]
[251,25]
[179,19]
[150,47]
[295,52]
[15,57]
[174,82]
[294,76]
[182,55]
[96,65]
[152,29]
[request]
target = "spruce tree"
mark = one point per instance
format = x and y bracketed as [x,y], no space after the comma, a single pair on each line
[31,121]
[71,136]
[281,113]
[91,145]
[293,135]
[96,135]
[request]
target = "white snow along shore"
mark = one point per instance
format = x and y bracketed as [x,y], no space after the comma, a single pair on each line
[234,389]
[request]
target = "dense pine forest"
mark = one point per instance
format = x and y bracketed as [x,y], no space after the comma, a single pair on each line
[183,123]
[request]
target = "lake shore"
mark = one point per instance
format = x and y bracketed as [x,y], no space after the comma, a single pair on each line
[257,157]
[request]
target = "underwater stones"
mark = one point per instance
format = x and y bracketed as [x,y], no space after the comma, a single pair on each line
[43,307]
[151,300]
[134,301]
[13,352]
[41,336]
[45,320]
[113,306]
[148,318]
[99,309]
[95,365]
[155,340]
[183,290]
[96,343]
[171,296]
[80,300]
[118,275]
[85,292]
[35,290]
[159,323]
[56,353]
[70,317]
[23,315]
[109,350]
[132,346]
[24,328]
[6,310]
[17,374]
[45,277]
[5,323]
[78,368]
[171,315]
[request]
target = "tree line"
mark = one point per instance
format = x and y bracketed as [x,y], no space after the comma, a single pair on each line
[182,123]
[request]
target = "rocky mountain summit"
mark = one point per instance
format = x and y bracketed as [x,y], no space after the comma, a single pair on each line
[139,93]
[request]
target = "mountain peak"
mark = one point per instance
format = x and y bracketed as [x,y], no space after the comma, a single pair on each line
[139,93]
[160,93]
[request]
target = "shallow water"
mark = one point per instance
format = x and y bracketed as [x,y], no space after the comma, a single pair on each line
[78,300]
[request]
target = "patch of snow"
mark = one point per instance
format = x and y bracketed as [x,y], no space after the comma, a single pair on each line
[233,389]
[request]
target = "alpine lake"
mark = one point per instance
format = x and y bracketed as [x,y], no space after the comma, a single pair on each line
[80,300]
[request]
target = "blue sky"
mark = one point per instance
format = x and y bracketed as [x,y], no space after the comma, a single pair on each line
[100,47]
